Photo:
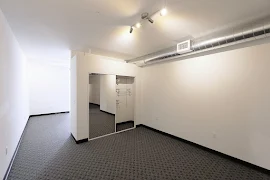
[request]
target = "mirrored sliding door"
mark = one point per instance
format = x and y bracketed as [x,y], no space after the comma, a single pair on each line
[124,103]
[101,105]
[111,104]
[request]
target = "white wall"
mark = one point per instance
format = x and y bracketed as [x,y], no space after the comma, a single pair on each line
[221,101]
[73,96]
[107,93]
[87,63]
[14,108]
[48,86]
[94,89]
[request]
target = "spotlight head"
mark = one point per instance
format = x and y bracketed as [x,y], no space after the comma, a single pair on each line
[163,12]
[145,15]
[150,20]
[138,25]
[131,29]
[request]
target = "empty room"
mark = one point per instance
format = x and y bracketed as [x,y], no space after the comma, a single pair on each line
[133,89]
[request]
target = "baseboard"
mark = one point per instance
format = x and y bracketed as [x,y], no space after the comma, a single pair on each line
[95,104]
[107,112]
[253,166]
[35,115]
[125,122]
[102,110]
[15,152]
[79,141]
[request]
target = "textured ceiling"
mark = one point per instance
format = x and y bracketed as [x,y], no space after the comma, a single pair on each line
[49,29]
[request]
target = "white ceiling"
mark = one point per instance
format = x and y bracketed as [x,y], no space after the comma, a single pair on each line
[51,28]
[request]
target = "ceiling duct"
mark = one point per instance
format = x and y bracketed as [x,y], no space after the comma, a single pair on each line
[249,34]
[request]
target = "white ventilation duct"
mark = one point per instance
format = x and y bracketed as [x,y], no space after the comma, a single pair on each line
[251,34]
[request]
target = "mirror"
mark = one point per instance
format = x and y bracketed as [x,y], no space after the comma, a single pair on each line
[111,104]
[124,103]
[101,105]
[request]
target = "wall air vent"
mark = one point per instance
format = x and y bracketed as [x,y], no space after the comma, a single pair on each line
[184,47]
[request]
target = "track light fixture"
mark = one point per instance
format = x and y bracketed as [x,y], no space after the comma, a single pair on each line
[138,25]
[146,16]
[163,12]
[150,20]
[131,29]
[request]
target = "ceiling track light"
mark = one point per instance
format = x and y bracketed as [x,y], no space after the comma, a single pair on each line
[150,20]
[138,25]
[163,12]
[131,29]
[146,16]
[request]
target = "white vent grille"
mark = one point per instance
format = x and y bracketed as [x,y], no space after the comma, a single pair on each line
[184,47]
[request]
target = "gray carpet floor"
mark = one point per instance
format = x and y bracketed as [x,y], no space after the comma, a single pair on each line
[49,152]
[100,123]
[124,126]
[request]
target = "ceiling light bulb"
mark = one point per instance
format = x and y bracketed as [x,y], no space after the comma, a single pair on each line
[163,12]
[138,25]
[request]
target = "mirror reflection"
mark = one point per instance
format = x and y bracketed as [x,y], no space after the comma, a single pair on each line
[111,104]
[101,105]
[124,103]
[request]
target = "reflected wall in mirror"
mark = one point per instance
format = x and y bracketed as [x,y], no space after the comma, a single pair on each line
[102,105]
[124,103]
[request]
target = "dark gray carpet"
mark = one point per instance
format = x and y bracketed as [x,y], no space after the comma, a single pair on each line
[124,126]
[48,152]
[100,123]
